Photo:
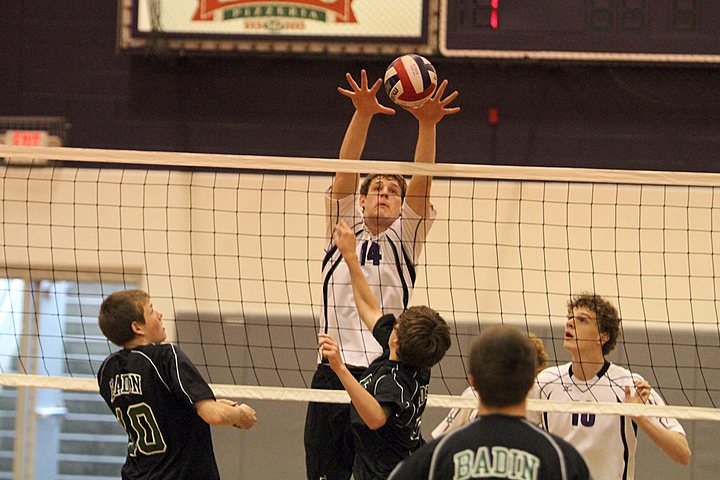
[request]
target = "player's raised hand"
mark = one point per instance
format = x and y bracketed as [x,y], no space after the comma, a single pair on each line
[637,393]
[330,350]
[435,109]
[247,416]
[364,97]
[344,238]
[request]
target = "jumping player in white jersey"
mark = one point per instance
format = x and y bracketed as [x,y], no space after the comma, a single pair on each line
[500,443]
[607,442]
[390,220]
[158,396]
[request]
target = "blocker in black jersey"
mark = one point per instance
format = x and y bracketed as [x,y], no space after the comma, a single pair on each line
[494,447]
[151,389]
[403,390]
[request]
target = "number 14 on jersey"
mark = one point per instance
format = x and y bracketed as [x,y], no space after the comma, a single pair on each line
[370,252]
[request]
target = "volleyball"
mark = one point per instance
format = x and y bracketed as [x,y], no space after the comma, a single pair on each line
[410,80]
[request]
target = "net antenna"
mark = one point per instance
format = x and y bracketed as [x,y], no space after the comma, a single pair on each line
[230,248]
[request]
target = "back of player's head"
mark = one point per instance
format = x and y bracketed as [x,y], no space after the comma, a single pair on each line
[118,312]
[502,363]
[423,337]
[606,315]
[399,179]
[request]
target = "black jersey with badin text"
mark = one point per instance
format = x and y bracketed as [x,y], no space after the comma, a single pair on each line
[495,447]
[152,390]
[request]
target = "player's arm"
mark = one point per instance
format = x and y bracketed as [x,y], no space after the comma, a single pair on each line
[534,416]
[366,106]
[674,444]
[226,412]
[428,115]
[365,301]
[456,417]
[373,414]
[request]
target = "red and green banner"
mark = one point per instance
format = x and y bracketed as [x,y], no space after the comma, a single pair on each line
[340,10]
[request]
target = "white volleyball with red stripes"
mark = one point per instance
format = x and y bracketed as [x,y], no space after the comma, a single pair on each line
[410,80]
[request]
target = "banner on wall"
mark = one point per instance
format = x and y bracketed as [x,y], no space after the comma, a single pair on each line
[313,26]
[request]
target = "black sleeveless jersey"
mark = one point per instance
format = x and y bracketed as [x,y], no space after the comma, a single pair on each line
[152,390]
[495,447]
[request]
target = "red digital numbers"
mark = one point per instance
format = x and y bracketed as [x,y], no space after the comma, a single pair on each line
[494,14]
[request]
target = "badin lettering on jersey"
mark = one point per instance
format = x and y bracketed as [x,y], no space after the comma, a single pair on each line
[125,384]
[501,462]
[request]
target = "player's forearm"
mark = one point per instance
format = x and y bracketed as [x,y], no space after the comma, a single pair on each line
[425,146]
[674,444]
[225,412]
[355,136]
[216,413]
[418,193]
[367,407]
[365,301]
[353,144]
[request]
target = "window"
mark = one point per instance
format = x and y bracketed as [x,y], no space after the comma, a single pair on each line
[50,328]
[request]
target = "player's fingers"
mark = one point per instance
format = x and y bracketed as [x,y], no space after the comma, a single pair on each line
[449,98]
[249,418]
[327,345]
[352,81]
[363,79]
[440,90]
[451,111]
[340,228]
[345,92]
[376,86]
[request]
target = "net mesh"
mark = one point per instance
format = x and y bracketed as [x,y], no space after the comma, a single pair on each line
[231,252]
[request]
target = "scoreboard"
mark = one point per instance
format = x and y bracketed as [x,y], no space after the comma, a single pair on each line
[585,30]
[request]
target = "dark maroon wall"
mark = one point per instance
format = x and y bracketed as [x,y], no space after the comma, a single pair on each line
[58,60]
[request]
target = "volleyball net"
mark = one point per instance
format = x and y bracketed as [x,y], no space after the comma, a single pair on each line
[230,248]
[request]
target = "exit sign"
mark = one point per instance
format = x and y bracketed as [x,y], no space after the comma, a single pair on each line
[26,138]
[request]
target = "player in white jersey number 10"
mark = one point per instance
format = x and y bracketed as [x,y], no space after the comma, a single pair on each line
[591,331]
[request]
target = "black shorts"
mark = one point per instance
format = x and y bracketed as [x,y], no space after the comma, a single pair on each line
[329,447]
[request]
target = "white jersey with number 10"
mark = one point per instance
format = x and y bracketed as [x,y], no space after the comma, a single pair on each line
[606,442]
